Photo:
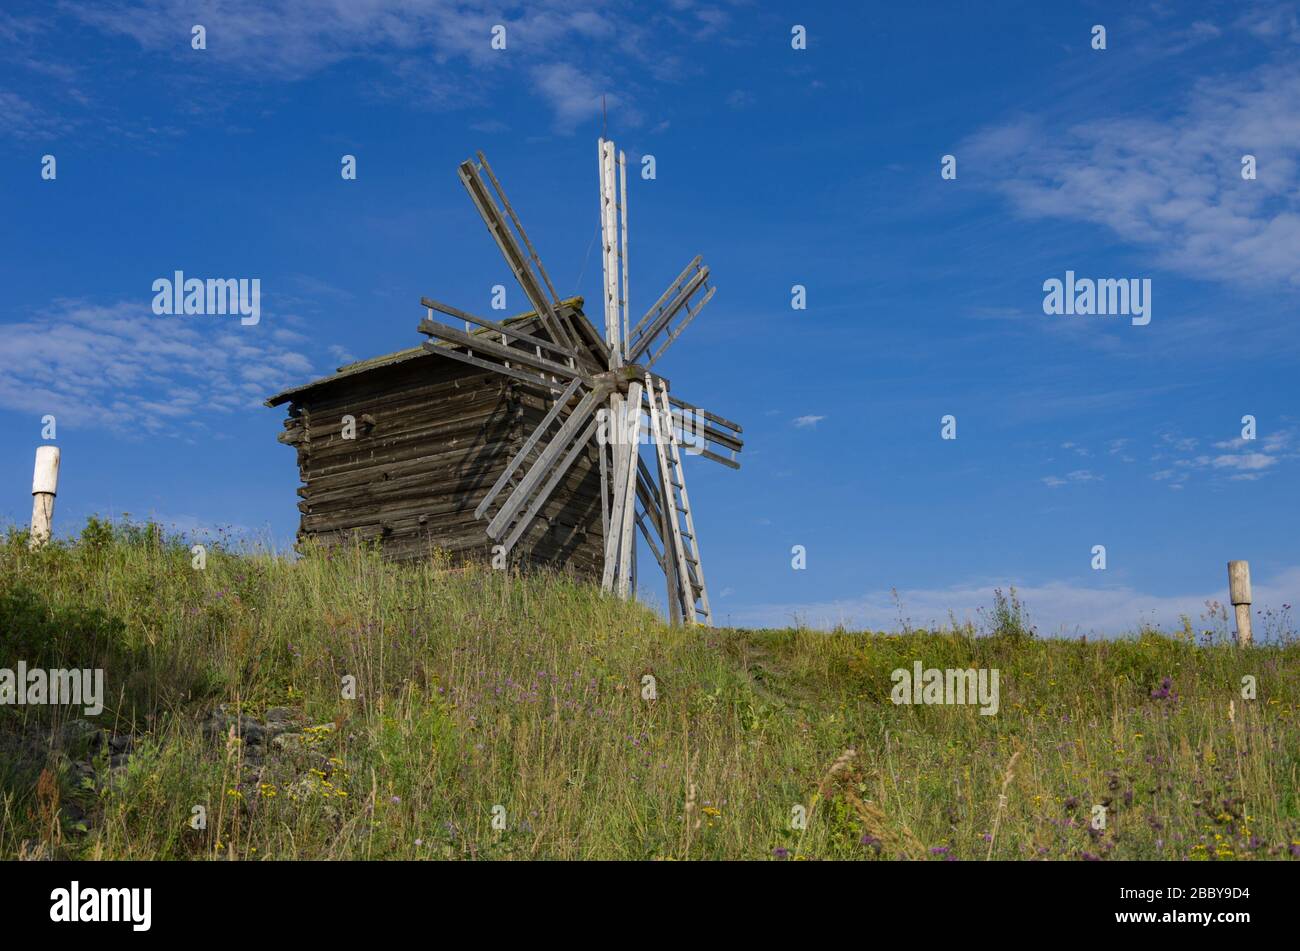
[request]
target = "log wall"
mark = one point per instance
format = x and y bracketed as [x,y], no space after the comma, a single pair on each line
[432,436]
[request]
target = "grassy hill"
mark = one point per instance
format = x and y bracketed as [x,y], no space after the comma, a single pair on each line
[483,699]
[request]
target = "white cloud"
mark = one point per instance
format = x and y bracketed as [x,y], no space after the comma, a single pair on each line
[22,119]
[122,367]
[1173,185]
[1178,443]
[805,422]
[574,96]
[438,51]
[1072,478]
[1055,608]
[1276,22]
[1247,460]
[740,99]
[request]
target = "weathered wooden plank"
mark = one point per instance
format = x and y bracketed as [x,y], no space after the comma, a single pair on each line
[551,484]
[504,329]
[452,502]
[488,365]
[523,454]
[483,344]
[584,411]
[515,259]
[662,320]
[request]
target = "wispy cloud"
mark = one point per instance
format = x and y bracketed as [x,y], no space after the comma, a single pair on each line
[574,96]
[1072,478]
[414,41]
[1057,608]
[121,367]
[1172,185]
[1246,460]
[806,422]
[22,119]
[1279,21]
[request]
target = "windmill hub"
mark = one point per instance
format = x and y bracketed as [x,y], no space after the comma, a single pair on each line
[621,379]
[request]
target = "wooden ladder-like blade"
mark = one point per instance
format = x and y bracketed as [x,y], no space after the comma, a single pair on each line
[677,504]
[535,507]
[533,438]
[551,459]
[670,304]
[514,255]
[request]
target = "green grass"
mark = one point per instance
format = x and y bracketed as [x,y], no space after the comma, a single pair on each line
[477,689]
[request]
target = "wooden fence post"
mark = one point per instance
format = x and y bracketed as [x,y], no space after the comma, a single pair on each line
[45,485]
[1239,595]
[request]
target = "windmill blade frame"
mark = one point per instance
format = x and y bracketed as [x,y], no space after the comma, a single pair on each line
[516,260]
[547,460]
[673,300]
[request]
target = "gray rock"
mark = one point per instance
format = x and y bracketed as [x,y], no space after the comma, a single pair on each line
[252,732]
[217,727]
[71,813]
[79,731]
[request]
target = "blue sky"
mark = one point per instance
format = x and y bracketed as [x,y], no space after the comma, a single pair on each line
[818,167]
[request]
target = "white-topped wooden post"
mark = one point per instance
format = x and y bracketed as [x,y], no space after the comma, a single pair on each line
[1239,595]
[45,486]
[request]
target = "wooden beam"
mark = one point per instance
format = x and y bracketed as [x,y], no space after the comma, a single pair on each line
[713,417]
[503,329]
[626,508]
[585,409]
[678,302]
[622,206]
[609,251]
[488,365]
[532,441]
[515,259]
[519,225]
[667,293]
[677,331]
[499,350]
[550,485]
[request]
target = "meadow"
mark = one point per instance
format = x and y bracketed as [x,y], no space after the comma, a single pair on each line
[367,710]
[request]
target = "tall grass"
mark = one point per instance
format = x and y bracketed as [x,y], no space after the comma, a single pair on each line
[482,695]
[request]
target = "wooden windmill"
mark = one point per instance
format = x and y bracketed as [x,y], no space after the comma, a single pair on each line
[604,393]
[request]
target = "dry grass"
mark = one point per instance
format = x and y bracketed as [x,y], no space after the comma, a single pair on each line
[479,689]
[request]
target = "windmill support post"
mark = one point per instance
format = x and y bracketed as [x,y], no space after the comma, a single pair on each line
[45,486]
[1239,595]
